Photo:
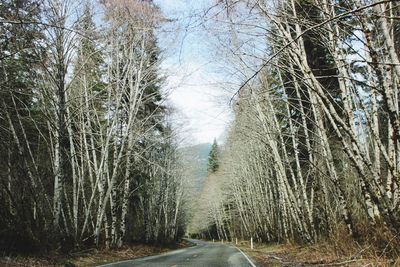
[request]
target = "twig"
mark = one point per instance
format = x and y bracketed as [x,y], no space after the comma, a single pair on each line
[339,263]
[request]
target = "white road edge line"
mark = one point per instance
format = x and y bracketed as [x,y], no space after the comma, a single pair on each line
[247,258]
[110,264]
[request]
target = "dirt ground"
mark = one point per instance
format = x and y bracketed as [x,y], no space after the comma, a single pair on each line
[289,255]
[89,257]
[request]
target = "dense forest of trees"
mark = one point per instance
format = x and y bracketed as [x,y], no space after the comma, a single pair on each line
[88,154]
[90,158]
[313,152]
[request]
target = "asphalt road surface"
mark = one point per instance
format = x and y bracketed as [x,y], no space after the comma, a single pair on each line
[205,254]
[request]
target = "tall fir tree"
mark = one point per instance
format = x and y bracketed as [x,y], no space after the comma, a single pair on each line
[213,160]
[21,199]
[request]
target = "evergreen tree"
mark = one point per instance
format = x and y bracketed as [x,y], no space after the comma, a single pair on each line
[213,162]
[20,123]
[89,62]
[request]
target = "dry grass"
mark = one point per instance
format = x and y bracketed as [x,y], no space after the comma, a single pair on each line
[321,254]
[376,246]
[90,257]
[132,252]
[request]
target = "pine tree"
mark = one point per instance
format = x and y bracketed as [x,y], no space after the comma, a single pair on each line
[89,61]
[21,196]
[213,161]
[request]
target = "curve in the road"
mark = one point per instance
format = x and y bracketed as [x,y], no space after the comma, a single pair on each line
[205,254]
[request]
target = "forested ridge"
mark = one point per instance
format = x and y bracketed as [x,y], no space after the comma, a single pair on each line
[89,157]
[313,151]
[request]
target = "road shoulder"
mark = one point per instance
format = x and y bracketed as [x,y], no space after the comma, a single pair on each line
[91,257]
[321,254]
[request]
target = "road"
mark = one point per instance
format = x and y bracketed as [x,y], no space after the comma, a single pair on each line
[205,254]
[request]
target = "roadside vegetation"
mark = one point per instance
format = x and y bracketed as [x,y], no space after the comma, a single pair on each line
[91,256]
[91,161]
[312,155]
[89,157]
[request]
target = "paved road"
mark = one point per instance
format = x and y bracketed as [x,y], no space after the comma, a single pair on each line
[205,254]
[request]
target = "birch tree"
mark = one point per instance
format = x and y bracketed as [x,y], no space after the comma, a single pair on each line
[309,114]
[89,126]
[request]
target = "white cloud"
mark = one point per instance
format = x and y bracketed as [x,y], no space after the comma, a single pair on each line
[199,100]
[190,81]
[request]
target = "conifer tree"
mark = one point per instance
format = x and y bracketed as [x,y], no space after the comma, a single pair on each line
[20,122]
[213,162]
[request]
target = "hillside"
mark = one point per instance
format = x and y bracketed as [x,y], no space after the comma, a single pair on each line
[197,156]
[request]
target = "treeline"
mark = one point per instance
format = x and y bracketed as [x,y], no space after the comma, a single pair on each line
[88,156]
[313,152]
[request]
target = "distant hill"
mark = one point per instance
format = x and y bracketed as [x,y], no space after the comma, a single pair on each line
[197,157]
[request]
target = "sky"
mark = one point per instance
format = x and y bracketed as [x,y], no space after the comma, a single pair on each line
[202,108]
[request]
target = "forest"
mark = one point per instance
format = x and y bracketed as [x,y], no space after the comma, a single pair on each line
[91,156]
[312,153]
